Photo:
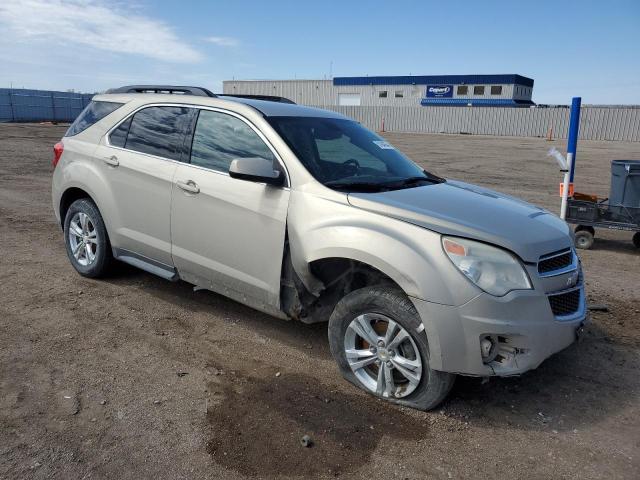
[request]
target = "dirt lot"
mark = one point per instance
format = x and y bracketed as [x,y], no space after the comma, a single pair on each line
[135,377]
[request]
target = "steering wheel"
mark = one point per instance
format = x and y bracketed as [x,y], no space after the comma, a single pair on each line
[354,162]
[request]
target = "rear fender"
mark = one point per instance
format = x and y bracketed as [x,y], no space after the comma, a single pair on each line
[80,170]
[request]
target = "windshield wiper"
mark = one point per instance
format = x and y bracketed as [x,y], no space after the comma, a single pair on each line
[357,186]
[362,186]
[410,181]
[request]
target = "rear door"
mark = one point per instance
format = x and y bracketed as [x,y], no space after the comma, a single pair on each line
[228,234]
[140,159]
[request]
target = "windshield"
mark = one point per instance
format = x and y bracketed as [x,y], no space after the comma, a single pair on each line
[342,154]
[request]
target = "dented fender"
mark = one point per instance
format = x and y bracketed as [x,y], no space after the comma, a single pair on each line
[327,226]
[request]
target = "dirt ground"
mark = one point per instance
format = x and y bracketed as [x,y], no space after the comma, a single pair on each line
[134,377]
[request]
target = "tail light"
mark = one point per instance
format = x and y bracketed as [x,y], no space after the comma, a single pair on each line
[58,148]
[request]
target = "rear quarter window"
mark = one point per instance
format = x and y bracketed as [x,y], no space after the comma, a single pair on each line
[94,112]
[118,137]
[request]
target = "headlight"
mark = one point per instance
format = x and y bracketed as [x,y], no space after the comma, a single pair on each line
[494,270]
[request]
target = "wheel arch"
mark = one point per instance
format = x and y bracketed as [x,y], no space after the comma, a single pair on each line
[69,196]
[327,266]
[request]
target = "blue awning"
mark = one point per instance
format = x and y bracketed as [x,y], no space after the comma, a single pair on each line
[476,102]
[435,80]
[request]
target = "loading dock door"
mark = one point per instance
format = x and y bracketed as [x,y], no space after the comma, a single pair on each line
[350,99]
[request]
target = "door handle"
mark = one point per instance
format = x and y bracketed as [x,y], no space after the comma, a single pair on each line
[112,160]
[188,186]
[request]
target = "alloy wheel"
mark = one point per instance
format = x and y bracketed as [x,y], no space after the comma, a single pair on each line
[83,239]
[382,355]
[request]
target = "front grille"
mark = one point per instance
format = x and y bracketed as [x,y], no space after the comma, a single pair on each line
[565,303]
[555,262]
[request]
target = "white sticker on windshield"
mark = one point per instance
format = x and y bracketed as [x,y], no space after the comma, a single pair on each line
[384,145]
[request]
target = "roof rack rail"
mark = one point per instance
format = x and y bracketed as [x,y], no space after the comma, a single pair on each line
[268,98]
[170,89]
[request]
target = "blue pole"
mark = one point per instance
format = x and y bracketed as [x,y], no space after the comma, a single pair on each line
[574,125]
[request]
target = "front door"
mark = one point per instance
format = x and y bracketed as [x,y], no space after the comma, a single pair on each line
[228,234]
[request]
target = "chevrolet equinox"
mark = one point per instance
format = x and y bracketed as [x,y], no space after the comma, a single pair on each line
[304,214]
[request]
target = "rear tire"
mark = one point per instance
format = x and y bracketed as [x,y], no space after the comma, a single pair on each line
[584,239]
[636,239]
[86,239]
[401,366]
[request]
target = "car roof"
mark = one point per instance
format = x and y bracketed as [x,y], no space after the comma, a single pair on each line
[267,108]
[280,109]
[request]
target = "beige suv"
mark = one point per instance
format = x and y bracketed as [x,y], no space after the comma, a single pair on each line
[304,214]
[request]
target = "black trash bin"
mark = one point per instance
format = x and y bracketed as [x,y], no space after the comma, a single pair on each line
[625,183]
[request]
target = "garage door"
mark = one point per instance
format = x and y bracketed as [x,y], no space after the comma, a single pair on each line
[349,99]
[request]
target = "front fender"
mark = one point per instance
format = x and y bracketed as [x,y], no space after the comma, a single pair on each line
[411,256]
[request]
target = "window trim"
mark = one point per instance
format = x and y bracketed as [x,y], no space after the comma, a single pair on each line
[188,136]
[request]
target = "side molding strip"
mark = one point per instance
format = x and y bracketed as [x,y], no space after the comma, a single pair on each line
[148,265]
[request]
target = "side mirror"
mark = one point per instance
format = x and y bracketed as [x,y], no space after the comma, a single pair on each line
[256,169]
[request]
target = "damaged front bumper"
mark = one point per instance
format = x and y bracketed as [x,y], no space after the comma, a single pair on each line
[521,326]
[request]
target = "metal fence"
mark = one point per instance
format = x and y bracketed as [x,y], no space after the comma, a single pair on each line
[23,105]
[596,123]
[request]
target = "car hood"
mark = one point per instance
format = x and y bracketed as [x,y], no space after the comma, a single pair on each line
[461,209]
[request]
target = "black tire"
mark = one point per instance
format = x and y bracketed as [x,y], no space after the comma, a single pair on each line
[584,239]
[103,255]
[636,239]
[586,228]
[433,386]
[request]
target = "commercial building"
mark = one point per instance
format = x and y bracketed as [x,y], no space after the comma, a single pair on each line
[440,90]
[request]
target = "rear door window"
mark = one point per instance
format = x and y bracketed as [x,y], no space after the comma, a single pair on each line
[220,138]
[158,131]
[94,112]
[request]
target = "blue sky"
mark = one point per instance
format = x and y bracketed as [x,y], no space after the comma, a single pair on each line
[570,48]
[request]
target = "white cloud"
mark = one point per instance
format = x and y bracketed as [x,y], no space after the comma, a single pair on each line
[93,24]
[223,41]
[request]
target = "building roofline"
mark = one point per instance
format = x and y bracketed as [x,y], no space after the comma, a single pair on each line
[279,80]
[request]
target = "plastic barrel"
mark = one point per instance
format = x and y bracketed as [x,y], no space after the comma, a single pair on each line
[625,183]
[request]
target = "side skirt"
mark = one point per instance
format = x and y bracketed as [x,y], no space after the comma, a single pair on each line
[147,264]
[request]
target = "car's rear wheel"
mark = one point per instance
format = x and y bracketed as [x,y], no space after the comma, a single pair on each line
[86,239]
[376,336]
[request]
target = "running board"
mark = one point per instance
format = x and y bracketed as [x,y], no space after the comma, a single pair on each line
[148,265]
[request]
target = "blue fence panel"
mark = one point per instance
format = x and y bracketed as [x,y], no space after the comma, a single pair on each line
[25,105]
[6,110]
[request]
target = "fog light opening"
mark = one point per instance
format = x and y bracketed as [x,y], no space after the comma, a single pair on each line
[488,348]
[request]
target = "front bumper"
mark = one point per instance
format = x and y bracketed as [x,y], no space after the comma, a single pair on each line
[522,322]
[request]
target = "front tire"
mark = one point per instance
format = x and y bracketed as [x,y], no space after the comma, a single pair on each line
[376,337]
[86,239]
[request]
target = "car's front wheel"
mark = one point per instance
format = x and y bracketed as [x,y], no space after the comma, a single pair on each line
[86,239]
[376,336]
